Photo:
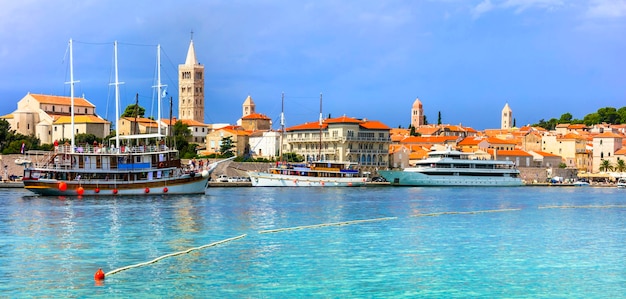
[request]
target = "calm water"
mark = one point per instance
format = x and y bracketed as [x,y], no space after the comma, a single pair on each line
[51,247]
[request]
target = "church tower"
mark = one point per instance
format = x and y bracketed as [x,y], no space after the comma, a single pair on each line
[507,117]
[248,107]
[191,87]
[417,114]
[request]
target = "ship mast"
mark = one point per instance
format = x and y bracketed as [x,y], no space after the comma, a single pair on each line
[282,126]
[158,87]
[321,120]
[71,83]
[117,101]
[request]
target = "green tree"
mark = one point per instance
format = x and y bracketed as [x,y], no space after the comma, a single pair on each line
[293,157]
[562,165]
[605,165]
[86,138]
[565,118]
[620,166]
[425,120]
[226,147]
[133,110]
[439,118]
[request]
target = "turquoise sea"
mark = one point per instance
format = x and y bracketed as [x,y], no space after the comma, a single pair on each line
[525,242]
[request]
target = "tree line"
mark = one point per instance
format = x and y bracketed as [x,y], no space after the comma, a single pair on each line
[608,115]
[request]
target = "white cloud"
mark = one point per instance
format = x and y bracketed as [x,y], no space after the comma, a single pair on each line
[607,9]
[482,8]
[518,5]
[521,5]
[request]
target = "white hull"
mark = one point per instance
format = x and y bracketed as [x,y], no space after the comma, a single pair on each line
[263,179]
[404,178]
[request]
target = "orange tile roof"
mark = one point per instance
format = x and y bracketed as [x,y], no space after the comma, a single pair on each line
[545,154]
[426,130]
[315,125]
[255,116]
[571,136]
[621,151]
[429,140]
[519,153]
[577,127]
[470,141]
[193,123]
[59,100]
[343,119]
[80,119]
[494,140]
[374,125]
[366,124]
[608,135]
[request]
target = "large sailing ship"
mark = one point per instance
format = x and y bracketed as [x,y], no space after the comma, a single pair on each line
[134,165]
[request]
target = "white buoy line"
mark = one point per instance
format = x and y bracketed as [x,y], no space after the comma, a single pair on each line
[468,212]
[584,207]
[174,254]
[326,224]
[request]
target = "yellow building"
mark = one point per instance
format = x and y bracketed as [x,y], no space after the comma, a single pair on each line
[343,139]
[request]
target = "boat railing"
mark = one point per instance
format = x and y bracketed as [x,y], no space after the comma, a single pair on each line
[97,149]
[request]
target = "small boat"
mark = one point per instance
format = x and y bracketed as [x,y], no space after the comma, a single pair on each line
[315,174]
[581,183]
[621,183]
[454,168]
[22,161]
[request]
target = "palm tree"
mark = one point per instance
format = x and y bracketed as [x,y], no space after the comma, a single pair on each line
[605,165]
[621,166]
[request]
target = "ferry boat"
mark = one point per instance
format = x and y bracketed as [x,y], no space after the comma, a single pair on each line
[315,174]
[454,168]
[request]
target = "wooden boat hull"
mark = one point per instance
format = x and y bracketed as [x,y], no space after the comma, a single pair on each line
[183,185]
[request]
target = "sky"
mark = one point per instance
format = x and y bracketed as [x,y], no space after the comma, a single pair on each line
[367,59]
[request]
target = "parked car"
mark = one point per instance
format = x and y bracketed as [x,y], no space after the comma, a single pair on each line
[222,178]
[378,179]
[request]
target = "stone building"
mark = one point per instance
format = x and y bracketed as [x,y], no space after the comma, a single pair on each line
[507,117]
[342,139]
[47,117]
[191,88]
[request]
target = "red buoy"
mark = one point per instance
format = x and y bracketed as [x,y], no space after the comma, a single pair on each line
[62,186]
[147,190]
[99,275]
[97,190]
[114,191]
[80,190]
[165,190]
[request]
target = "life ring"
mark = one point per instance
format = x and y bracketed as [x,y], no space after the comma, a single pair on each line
[161,165]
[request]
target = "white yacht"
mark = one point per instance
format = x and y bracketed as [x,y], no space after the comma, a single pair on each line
[455,168]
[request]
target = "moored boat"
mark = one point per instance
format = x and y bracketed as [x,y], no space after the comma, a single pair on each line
[133,165]
[315,174]
[127,170]
[454,168]
[621,183]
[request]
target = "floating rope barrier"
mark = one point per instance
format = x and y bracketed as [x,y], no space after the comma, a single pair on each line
[326,224]
[174,254]
[462,213]
[583,207]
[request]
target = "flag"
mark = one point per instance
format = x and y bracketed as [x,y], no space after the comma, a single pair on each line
[164,93]
[22,151]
